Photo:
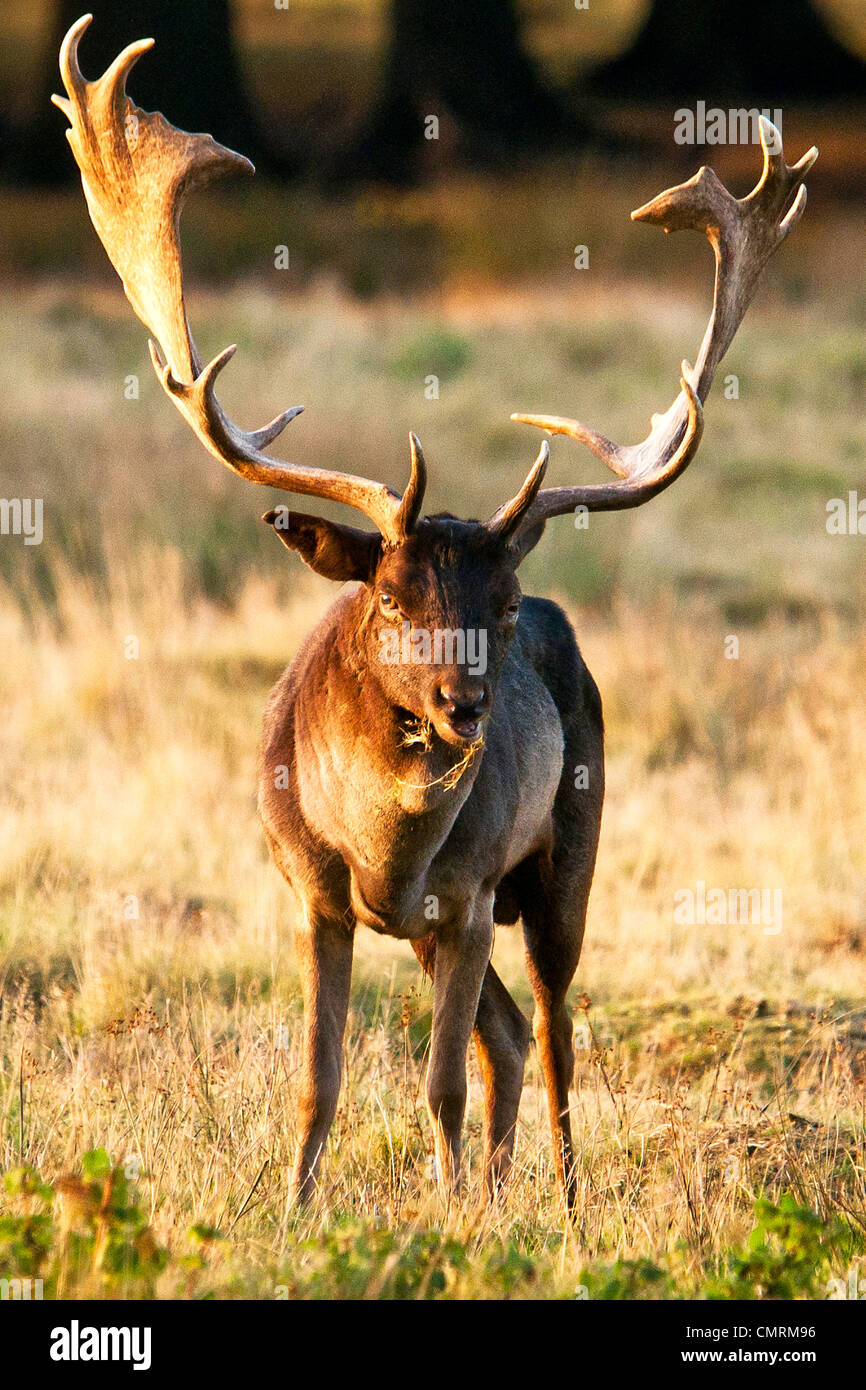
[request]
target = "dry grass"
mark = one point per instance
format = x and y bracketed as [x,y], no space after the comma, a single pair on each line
[149,998]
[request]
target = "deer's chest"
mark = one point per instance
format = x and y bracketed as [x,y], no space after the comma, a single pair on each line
[418,850]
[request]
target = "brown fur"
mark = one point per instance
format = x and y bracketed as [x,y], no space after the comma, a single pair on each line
[367,829]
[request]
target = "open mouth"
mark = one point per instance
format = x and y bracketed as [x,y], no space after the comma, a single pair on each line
[419,730]
[467,730]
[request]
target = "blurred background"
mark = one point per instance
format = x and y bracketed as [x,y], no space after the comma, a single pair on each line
[453,257]
[410,257]
[391,281]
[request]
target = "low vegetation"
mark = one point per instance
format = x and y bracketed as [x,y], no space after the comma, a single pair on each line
[149,1007]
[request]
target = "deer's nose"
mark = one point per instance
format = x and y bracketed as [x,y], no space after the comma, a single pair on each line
[463,699]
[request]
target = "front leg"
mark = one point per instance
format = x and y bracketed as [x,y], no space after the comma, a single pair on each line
[324,951]
[462,955]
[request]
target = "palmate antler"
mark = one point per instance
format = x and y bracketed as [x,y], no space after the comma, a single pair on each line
[136,170]
[743,233]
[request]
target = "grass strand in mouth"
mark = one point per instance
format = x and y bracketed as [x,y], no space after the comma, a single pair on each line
[449,779]
[417,730]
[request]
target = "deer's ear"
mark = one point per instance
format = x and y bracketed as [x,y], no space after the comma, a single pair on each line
[335,551]
[526,541]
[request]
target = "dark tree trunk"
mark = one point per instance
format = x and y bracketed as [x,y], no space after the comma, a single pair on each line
[762,50]
[463,61]
[192,75]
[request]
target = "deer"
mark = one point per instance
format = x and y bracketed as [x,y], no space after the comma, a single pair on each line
[426,799]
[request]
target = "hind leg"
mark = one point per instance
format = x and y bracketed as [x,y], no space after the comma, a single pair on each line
[553,942]
[501,1037]
[553,899]
[552,888]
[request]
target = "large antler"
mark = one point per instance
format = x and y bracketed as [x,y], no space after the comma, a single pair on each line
[136,170]
[743,233]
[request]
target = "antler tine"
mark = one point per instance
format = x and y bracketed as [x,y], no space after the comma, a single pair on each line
[506,522]
[413,497]
[136,170]
[743,233]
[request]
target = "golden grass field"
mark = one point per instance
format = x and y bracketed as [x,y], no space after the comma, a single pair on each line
[150,1006]
[149,1003]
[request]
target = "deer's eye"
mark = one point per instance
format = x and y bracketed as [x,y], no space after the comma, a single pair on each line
[510,613]
[388,606]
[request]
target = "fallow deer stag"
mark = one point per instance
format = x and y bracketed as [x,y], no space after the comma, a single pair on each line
[432,797]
